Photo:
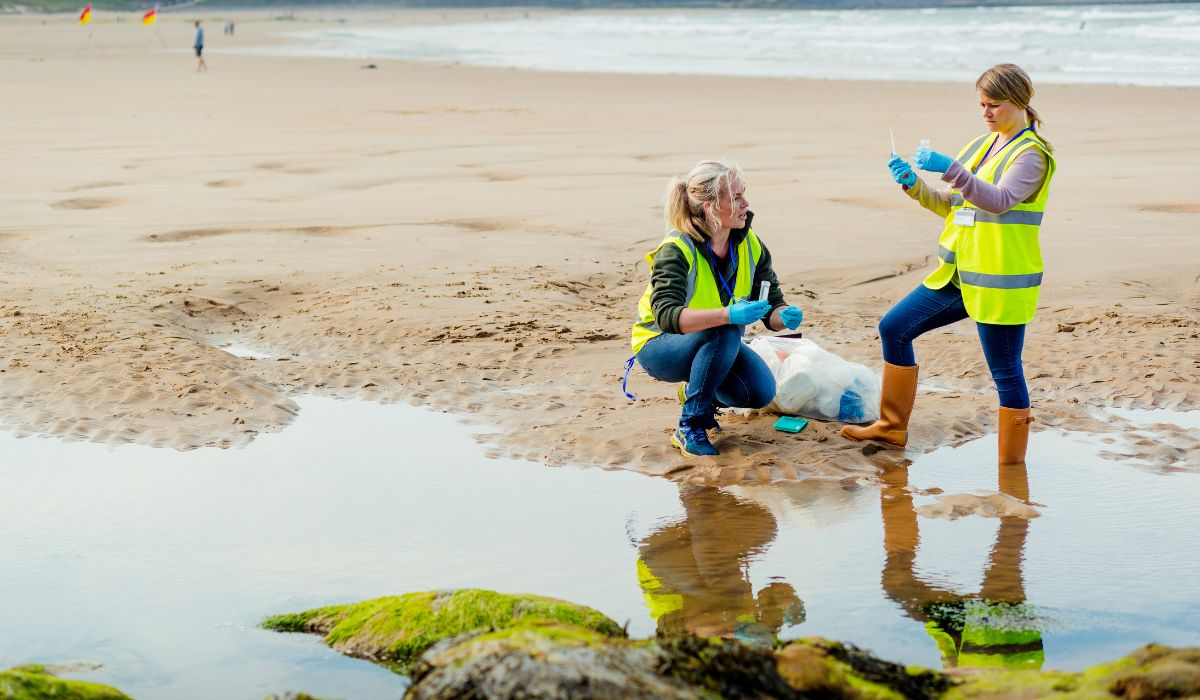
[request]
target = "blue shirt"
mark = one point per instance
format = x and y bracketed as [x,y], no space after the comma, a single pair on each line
[199,37]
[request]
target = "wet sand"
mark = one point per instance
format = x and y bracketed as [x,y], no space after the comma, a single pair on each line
[158,565]
[471,240]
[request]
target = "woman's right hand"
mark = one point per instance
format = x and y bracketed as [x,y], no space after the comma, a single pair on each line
[902,172]
[744,313]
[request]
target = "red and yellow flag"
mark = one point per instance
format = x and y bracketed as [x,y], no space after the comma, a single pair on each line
[86,15]
[151,16]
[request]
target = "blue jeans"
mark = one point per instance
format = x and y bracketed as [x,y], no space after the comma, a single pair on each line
[925,309]
[717,366]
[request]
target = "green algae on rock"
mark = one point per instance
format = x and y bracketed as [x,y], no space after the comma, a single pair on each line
[1152,672]
[396,630]
[556,661]
[486,645]
[36,682]
[818,667]
[543,660]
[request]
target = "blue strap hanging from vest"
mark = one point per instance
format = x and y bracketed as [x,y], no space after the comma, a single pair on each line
[712,265]
[625,379]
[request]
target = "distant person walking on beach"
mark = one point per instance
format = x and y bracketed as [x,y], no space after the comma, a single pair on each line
[198,44]
[991,263]
[694,311]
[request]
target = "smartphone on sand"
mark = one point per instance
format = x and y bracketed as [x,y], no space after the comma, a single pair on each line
[790,424]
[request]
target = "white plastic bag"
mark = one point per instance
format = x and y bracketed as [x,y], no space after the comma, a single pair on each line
[816,383]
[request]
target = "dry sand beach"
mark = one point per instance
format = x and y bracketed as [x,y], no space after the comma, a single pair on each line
[471,239]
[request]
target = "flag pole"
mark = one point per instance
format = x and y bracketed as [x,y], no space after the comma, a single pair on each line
[85,17]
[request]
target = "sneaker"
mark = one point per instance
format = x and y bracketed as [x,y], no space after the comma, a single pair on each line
[693,442]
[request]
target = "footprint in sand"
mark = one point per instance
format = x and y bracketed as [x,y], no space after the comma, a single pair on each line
[95,186]
[501,177]
[863,203]
[86,203]
[225,183]
[288,168]
[474,225]
[1170,207]
[190,234]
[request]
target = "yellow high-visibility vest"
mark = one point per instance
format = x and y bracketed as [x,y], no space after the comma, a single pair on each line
[997,256]
[702,291]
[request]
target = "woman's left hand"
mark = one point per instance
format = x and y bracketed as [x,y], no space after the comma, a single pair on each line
[932,160]
[791,317]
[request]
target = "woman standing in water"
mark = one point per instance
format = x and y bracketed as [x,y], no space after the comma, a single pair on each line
[991,263]
[699,300]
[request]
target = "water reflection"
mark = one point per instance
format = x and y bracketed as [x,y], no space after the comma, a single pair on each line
[992,627]
[695,571]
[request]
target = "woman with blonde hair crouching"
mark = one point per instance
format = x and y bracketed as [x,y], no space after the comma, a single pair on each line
[991,262]
[694,312]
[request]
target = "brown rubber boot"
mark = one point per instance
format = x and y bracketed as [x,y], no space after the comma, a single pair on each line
[1014,434]
[895,406]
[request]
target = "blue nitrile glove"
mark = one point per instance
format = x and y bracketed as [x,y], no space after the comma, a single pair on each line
[932,160]
[744,313]
[791,317]
[902,172]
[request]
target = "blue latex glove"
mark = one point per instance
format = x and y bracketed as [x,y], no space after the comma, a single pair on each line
[902,172]
[791,317]
[744,313]
[932,160]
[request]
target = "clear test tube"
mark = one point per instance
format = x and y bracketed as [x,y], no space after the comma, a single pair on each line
[764,288]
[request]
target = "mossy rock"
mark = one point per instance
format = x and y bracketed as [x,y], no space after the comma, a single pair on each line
[723,668]
[817,667]
[556,661]
[396,630]
[34,682]
[543,660]
[1158,672]
[1153,672]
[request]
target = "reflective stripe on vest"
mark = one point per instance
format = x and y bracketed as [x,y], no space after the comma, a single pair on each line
[1013,216]
[702,291]
[997,259]
[983,279]
[972,150]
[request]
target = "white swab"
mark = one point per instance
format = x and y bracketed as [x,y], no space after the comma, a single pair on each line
[893,135]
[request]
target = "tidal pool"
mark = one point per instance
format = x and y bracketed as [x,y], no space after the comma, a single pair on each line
[159,564]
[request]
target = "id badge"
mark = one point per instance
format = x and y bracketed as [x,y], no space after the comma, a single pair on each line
[964,217]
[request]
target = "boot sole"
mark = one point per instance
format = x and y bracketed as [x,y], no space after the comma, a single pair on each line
[678,443]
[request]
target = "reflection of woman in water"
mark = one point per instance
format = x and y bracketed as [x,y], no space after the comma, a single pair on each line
[994,627]
[695,572]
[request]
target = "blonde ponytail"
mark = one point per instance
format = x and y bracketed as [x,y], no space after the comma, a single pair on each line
[1035,123]
[684,204]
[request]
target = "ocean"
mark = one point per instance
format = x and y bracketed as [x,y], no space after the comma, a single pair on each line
[1115,44]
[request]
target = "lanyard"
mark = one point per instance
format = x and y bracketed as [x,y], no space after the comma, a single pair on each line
[712,265]
[993,144]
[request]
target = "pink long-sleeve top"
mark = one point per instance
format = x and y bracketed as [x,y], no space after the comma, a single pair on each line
[1020,182]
